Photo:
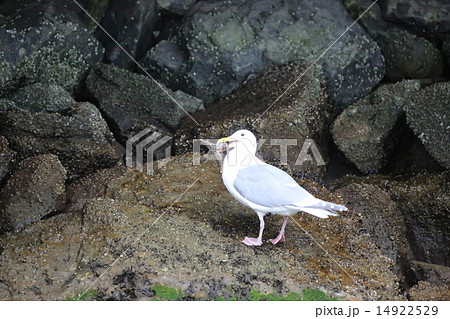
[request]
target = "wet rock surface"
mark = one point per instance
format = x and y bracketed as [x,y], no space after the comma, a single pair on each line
[300,115]
[192,242]
[44,42]
[29,194]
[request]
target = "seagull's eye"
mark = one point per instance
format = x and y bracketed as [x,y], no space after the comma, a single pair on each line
[242,134]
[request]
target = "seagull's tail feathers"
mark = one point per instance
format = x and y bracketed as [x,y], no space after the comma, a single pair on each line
[321,208]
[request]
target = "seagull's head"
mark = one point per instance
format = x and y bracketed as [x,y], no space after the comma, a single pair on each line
[241,139]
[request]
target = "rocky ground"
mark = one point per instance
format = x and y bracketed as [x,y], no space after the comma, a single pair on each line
[74,218]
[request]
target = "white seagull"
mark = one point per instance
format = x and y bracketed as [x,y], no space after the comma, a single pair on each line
[265,188]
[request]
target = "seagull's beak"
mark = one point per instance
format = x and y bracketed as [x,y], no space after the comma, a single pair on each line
[222,143]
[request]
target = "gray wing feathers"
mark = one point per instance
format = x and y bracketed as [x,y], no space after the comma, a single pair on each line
[269,186]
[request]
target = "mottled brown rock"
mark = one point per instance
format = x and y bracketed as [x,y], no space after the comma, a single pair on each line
[36,188]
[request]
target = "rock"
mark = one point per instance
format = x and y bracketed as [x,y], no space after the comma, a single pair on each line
[176,6]
[446,52]
[427,18]
[90,187]
[35,189]
[381,218]
[409,57]
[42,97]
[407,217]
[7,157]
[96,8]
[364,131]
[428,114]
[424,202]
[228,42]
[167,62]
[434,274]
[78,135]
[299,118]
[424,291]
[134,102]
[45,42]
[130,23]
[199,237]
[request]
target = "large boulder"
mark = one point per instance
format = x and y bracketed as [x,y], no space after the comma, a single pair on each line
[428,114]
[135,102]
[430,17]
[77,134]
[45,42]
[35,189]
[299,118]
[407,55]
[131,25]
[231,40]
[364,131]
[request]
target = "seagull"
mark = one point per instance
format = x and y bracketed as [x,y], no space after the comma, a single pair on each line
[265,188]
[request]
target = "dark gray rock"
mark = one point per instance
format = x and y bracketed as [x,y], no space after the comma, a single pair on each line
[167,62]
[78,135]
[363,131]
[134,102]
[45,42]
[423,17]
[176,6]
[407,55]
[35,189]
[42,97]
[428,115]
[96,8]
[130,23]
[446,52]
[7,157]
[230,41]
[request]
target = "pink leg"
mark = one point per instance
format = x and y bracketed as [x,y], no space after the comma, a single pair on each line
[256,241]
[280,237]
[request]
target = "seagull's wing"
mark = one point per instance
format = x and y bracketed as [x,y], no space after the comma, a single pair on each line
[269,186]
